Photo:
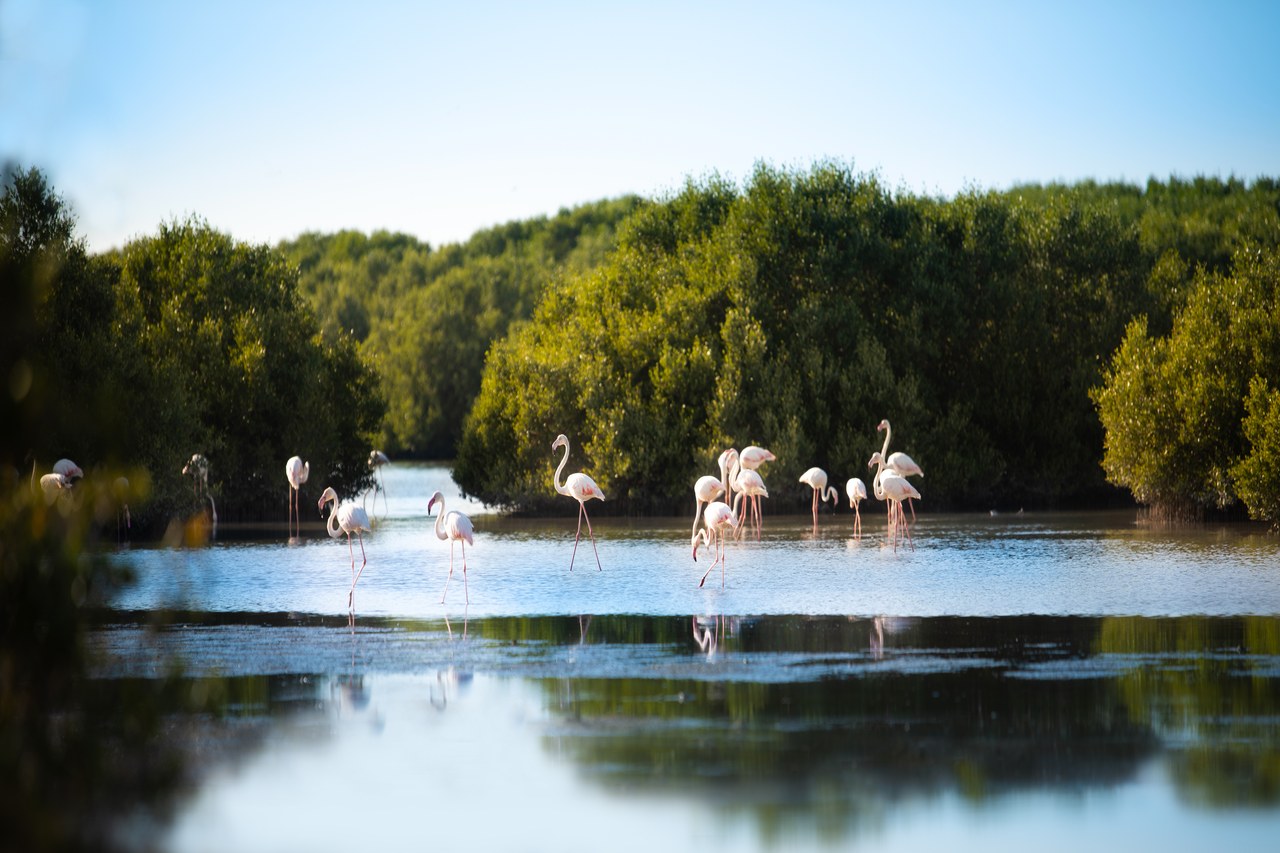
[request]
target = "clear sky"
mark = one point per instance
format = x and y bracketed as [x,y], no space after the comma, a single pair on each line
[268,119]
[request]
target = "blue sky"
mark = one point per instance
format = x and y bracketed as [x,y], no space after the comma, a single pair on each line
[268,119]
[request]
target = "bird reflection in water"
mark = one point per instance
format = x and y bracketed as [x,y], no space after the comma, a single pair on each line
[707,631]
[450,682]
[449,627]
[877,638]
[584,623]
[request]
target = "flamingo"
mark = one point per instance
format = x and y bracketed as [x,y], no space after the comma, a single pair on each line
[816,479]
[900,462]
[296,472]
[581,488]
[347,518]
[706,490]
[120,490]
[53,485]
[456,528]
[857,491]
[198,469]
[376,460]
[753,457]
[894,488]
[728,461]
[68,469]
[749,484]
[716,519]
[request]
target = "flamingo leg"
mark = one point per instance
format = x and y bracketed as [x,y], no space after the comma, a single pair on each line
[448,576]
[697,513]
[815,510]
[721,547]
[364,562]
[911,502]
[465,590]
[592,535]
[759,515]
[582,509]
[906,527]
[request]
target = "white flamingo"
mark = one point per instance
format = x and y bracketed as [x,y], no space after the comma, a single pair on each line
[456,527]
[857,491]
[750,485]
[376,460]
[68,469]
[816,479]
[717,518]
[899,462]
[728,461]
[581,488]
[296,472]
[705,490]
[347,518]
[892,487]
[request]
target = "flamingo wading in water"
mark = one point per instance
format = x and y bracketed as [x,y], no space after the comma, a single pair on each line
[296,472]
[456,527]
[892,487]
[347,518]
[899,462]
[717,518]
[705,490]
[376,460]
[816,479]
[581,488]
[857,491]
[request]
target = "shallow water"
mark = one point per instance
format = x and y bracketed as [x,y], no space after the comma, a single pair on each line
[1019,680]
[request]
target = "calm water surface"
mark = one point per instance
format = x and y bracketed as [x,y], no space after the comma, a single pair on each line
[1017,680]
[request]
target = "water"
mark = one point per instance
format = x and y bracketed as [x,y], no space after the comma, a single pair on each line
[1014,680]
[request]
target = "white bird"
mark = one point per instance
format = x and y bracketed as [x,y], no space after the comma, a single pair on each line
[753,457]
[347,518]
[816,479]
[198,469]
[296,472]
[716,519]
[728,461]
[52,485]
[705,490]
[376,460]
[857,491]
[899,462]
[581,488]
[750,485]
[892,487]
[68,469]
[456,527]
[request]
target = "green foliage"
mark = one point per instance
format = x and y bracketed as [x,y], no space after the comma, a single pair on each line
[1190,420]
[427,318]
[800,311]
[180,343]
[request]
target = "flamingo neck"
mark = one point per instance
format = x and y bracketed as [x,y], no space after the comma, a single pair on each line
[564,460]
[876,488]
[831,495]
[888,434]
[440,534]
[332,525]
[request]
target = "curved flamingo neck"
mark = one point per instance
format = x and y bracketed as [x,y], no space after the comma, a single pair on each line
[332,525]
[564,460]
[830,494]
[440,533]
[876,488]
[888,434]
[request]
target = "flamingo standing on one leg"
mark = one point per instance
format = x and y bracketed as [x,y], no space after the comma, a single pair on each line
[347,518]
[716,519]
[581,488]
[705,490]
[296,472]
[456,527]
[857,491]
[899,462]
[816,479]
[376,460]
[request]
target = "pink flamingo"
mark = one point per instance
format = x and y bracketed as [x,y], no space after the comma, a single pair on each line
[581,488]
[716,519]
[296,472]
[456,527]
[857,491]
[705,490]
[728,461]
[901,463]
[816,479]
[749,485]
[892,487]
[348,518]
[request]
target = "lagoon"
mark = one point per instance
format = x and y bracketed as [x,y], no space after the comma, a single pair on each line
[1026,679]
